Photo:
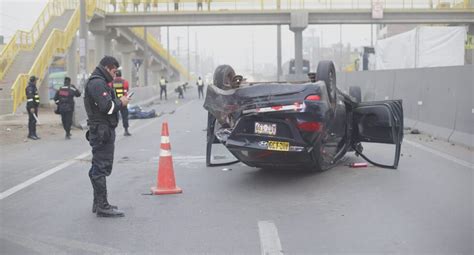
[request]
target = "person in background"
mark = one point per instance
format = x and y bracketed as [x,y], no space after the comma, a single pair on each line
[199,5]
[32,103]
[102,107]
[200,84]
[179,89]
[114,4]
[136,4]
[120,86]
[163,83]
[64,98]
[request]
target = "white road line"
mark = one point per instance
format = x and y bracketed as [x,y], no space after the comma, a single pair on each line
[441,154]
[269,239]
[41,176]
[60,167]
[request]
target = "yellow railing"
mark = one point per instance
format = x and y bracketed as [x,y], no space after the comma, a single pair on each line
[156,46]
[23,40]
[223,5]
[57,42]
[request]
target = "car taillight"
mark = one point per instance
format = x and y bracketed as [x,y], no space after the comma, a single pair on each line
[313,98]
[310,126]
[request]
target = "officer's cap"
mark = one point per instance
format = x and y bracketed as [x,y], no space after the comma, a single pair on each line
[33,78]
[118,73]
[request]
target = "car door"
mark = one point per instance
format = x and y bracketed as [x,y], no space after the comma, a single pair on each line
[379,122]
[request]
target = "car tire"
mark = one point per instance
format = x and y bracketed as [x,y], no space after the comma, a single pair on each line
[355,92]
[327,72]
[223,77]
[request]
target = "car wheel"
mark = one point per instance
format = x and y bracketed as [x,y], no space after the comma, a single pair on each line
[223,76]
[354,91]
[327,72]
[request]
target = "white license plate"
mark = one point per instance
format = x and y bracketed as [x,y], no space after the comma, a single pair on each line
[263,128]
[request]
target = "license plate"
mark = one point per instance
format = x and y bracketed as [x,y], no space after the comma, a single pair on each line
[278,146]
[263,128]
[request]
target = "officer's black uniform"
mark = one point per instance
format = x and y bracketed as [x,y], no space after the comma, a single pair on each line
[102,107]
[32,103]
[64,98]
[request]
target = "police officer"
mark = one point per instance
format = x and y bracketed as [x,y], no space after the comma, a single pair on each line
[200,85]
[64,98]
[163,83]
[102,107]
[32,103]
[121,89]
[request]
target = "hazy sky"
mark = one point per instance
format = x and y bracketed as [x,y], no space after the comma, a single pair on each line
[228,44]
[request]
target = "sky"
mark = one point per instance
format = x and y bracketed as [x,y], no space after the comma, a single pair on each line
[227,44]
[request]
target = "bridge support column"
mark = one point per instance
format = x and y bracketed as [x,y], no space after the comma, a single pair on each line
[43,91]
[126,50]
[279,71]
[299,22]
[155,74]
[71,62]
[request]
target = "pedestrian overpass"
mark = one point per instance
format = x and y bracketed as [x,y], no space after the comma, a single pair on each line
[31,53]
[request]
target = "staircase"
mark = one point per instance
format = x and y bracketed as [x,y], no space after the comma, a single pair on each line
[25,59]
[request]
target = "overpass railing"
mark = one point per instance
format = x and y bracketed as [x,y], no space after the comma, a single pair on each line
[26,40]
[232,5]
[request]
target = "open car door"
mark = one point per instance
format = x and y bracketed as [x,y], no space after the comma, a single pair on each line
[379,122]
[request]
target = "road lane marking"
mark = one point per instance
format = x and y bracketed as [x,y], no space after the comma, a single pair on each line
[70,162]
[269,239]
[41,176]
[441,154]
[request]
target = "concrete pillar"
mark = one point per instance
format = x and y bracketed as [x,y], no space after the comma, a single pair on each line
[299,22]
[141,73]
[298,51]
[71,62]
[83,49]
[126,64]
[279,70]
[99,46]
[126,49]
[43,91]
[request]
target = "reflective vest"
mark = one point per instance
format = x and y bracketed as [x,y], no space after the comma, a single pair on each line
[200,83]
[37,98]
[118,87]
[162,82]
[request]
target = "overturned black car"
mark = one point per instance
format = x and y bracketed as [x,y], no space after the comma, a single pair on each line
[309,124]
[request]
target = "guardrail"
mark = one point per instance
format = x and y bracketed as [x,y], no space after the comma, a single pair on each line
[223,5]
[23,40]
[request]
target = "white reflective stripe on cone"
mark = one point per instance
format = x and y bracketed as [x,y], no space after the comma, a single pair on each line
[165,139]
[165,153]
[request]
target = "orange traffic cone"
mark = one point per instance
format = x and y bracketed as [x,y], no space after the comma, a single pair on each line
[165,183]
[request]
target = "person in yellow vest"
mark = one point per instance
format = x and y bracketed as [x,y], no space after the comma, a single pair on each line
[120,86]
[32,103]
[163,83]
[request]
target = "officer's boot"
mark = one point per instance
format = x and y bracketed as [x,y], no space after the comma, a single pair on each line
[34,133]
[103,208]
[126,133]
[95,201]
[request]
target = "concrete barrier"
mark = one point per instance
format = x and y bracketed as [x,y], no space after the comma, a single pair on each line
[438,101]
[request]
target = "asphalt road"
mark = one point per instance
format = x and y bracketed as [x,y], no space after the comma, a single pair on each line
[426,206]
